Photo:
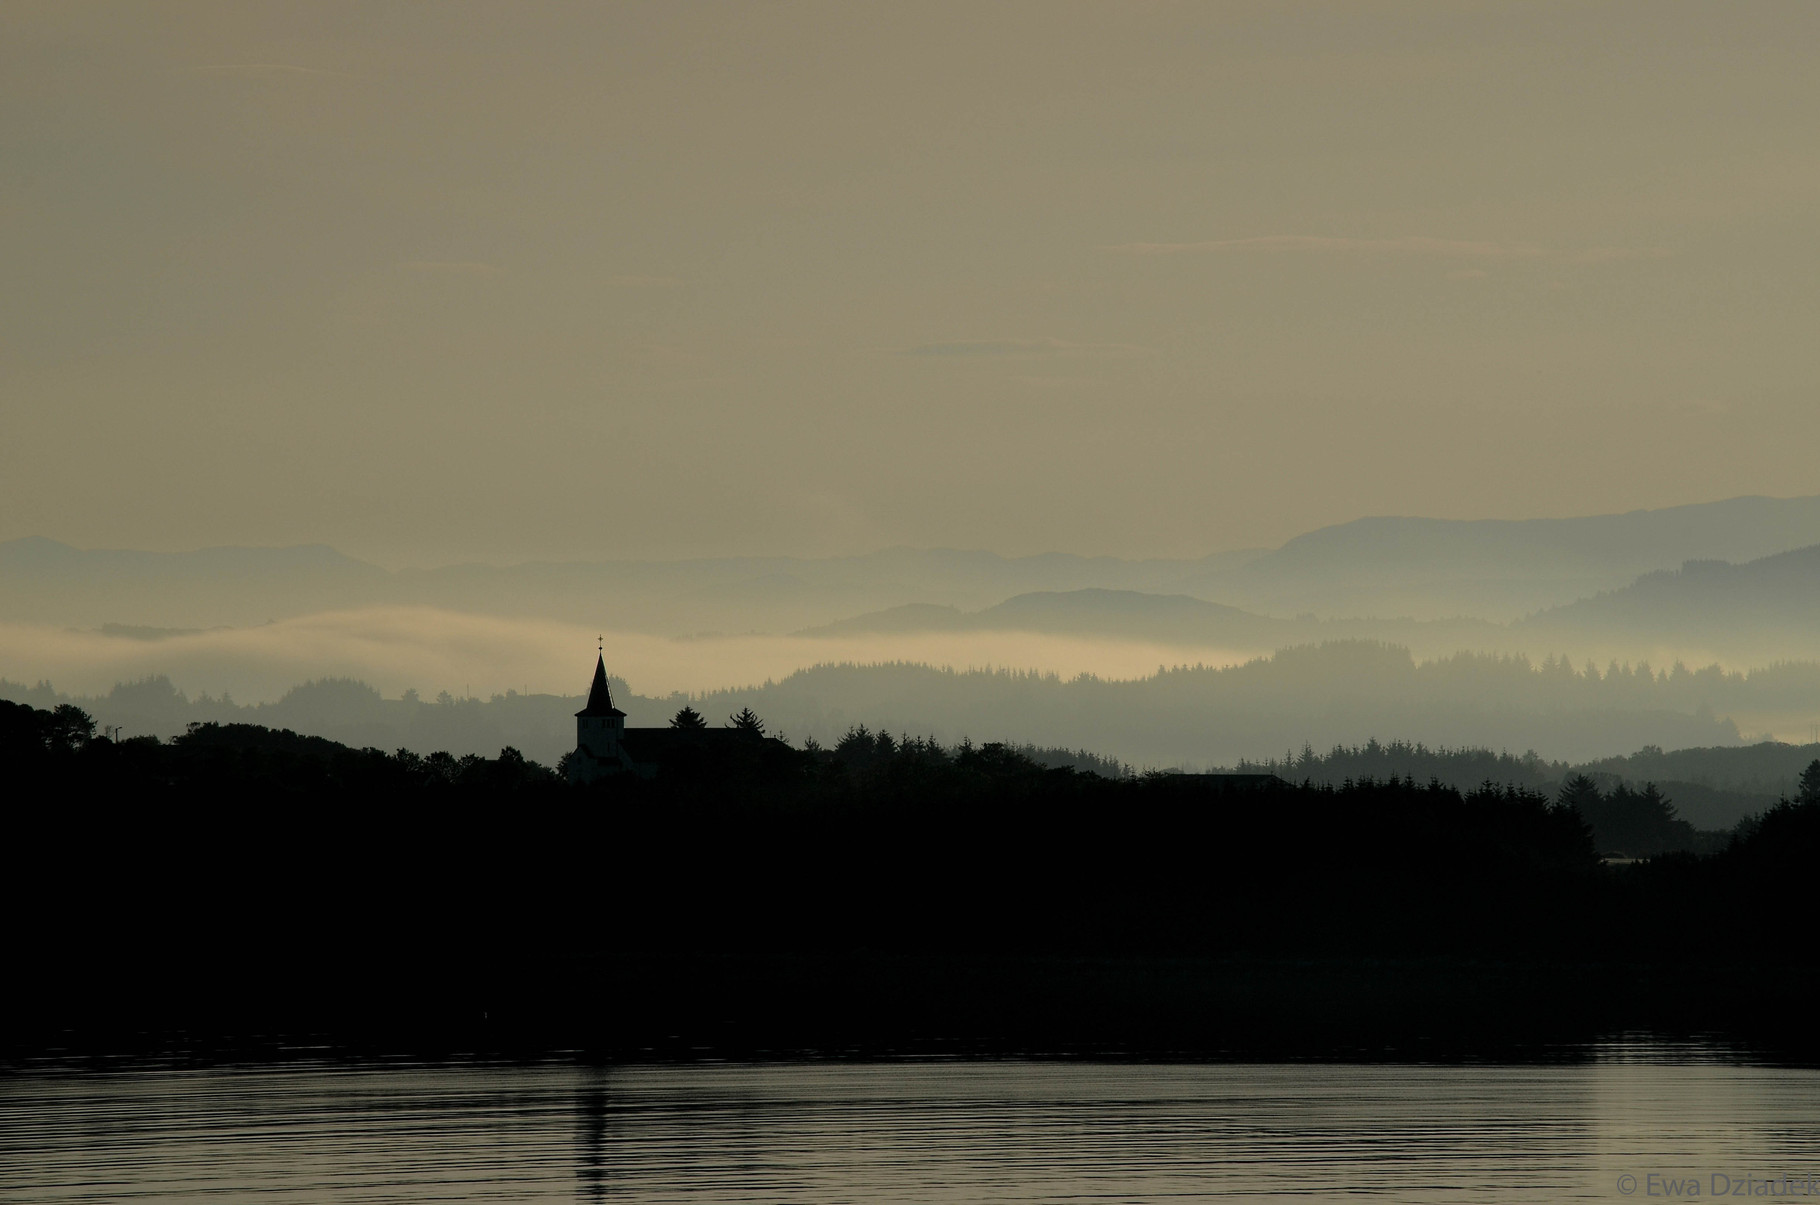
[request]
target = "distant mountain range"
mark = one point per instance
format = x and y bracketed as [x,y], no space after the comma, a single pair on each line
[1418,569]
[1761,611]
[1502,569]
[1770,595]
[1169,619]
[1132,614]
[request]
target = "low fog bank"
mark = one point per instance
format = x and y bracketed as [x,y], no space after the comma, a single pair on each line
[1109,635]
[431,651]
[1197,717]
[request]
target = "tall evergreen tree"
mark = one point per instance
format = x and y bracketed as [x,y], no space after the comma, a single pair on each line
[1809,791]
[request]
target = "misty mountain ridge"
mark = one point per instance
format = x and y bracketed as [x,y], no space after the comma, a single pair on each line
[1172,619]
[1732,529]
[1491,569]
[46,581]
[1774,599]
[1338,692]
[1505,568]
[1348,695]
[1759,611]
[1093,610]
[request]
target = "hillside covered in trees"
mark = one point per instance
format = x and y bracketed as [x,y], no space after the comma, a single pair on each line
[894,894]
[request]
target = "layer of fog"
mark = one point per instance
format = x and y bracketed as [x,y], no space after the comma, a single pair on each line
[414,648]
[428,650]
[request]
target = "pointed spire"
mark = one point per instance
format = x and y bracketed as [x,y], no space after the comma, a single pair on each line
[600,695]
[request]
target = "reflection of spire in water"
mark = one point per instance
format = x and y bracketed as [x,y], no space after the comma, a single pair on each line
[591,1139]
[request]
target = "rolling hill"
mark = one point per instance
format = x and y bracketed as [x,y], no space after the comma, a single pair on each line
[1763,610]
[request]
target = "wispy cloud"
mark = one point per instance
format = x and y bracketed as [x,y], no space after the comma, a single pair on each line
[258,70]
[646,282]
[458,267]
[1050,383]
[1018,347]
[684,384]
[1413,245]
[1606,255]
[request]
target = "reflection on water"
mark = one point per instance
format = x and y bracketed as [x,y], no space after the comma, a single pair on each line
[972,1132]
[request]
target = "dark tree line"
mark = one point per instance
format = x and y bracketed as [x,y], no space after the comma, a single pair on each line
[1631,822]
[239,877]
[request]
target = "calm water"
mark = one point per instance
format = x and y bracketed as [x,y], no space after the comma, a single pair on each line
[972,1132]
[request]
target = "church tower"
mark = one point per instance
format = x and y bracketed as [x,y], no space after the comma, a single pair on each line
[600,729]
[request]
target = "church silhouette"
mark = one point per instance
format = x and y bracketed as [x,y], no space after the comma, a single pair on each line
[606,748]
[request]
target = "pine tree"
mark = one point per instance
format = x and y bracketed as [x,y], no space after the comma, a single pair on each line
[1810,784]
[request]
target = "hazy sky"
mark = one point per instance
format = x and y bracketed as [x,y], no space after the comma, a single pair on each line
[441,281]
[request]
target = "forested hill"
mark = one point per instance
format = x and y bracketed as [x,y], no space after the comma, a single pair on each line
[1712,789]
[1337,693]
[240,882]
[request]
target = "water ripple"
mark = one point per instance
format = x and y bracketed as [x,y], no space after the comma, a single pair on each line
[945,1132]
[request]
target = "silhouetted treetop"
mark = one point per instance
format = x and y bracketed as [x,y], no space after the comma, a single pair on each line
[1809,791]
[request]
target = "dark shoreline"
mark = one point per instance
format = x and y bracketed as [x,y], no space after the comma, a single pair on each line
[668,1009]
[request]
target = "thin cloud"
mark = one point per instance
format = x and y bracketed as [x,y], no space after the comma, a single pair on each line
[1607,255]
[258,70]
[1314,244]
[686,383]
[646,282]
[965,348]
[459,267]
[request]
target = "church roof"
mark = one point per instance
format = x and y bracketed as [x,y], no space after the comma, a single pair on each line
[600,696]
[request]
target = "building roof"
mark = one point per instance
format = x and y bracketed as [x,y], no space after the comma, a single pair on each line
[600,695]
[669,744]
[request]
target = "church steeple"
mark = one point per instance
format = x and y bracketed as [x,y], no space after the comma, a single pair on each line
[599,728]
[600,694]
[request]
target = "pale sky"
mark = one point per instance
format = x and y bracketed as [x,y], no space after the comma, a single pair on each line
[438,281]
